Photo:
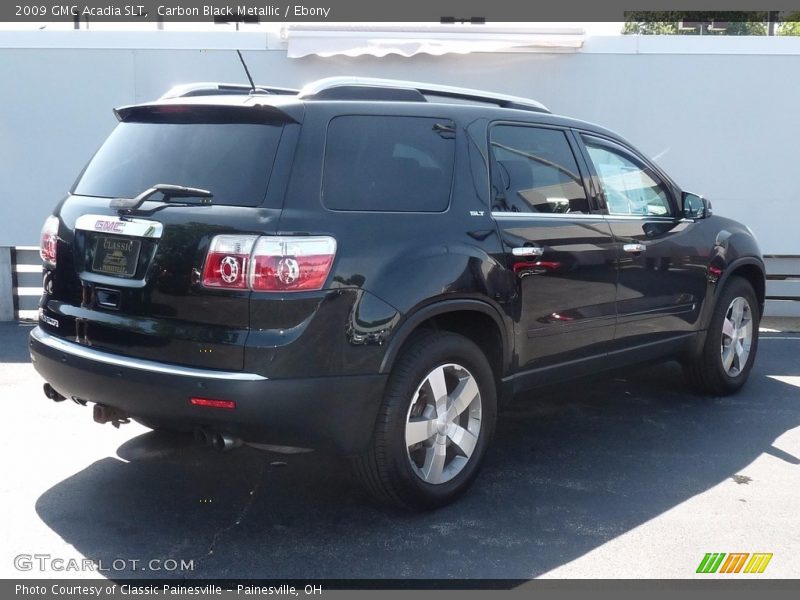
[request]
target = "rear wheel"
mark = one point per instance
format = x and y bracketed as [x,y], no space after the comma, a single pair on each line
[724,363]
[435,423]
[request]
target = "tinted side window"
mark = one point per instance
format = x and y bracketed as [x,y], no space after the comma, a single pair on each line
[628,186]
[534,170]
[382,163]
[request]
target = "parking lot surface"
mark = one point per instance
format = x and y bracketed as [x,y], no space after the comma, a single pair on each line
[628,475]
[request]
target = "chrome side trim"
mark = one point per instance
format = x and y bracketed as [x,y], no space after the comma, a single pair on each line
[545,216]
[651,218]
[139,364]
[597,216]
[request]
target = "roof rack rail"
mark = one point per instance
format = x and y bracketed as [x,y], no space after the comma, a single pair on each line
[369,88]
[207,88]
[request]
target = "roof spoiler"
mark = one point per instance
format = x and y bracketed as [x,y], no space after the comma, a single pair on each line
[207,88]
[199,112]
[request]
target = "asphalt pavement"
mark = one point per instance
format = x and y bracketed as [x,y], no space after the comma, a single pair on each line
[623,476]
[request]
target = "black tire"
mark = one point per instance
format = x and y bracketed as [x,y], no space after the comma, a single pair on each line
[386,469]
[706,371]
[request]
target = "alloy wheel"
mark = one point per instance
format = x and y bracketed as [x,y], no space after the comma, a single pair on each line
[443,423]
[737,336]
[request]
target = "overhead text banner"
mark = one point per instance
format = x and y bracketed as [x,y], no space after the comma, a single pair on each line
[451,11]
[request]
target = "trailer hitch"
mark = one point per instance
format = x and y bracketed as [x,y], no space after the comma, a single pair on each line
[108,414]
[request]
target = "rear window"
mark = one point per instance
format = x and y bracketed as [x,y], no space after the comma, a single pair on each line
[382,163]
[232,160]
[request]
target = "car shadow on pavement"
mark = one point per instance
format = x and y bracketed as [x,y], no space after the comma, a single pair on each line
[11,332]
[570,469]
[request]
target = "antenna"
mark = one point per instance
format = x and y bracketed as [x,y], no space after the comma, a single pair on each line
[247,71]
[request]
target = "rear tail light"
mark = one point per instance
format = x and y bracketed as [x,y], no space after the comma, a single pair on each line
[269,263]
[283,264]
[228,261]
[48,243]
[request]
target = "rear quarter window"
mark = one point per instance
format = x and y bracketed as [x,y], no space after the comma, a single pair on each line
[388,163]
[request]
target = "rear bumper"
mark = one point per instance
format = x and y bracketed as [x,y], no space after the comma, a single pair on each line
[329,413]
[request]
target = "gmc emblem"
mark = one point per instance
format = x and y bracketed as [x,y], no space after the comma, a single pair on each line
[112,226]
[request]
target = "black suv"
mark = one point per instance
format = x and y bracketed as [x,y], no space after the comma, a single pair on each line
[372,267]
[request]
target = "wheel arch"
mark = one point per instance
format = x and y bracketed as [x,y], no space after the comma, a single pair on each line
[752,270]
[474,319]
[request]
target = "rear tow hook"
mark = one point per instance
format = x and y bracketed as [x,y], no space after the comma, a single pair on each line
[108,414]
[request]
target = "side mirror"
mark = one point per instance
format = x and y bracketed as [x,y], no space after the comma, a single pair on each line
[695,207]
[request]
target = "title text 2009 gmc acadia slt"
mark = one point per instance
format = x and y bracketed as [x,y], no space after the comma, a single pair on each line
[372,267]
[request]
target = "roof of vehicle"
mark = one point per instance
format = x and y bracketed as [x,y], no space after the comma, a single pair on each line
[361,90]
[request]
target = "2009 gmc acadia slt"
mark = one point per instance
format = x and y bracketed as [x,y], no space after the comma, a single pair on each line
[373,266]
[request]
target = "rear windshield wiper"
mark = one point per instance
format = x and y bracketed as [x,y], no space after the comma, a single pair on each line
[168,192]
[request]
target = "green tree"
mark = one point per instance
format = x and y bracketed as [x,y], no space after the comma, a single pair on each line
[667,23]
[651,23]
[790,24]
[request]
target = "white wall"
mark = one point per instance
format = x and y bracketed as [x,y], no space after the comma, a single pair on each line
[720,115]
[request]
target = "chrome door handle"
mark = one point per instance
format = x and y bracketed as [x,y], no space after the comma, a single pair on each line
[527,251]
[634,248]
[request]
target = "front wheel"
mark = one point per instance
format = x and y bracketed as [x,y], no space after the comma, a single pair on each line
[434,425]
[724,363]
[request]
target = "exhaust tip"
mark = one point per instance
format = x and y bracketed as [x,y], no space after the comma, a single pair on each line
[201,436]
[218,441]
[223,442]
[52,394]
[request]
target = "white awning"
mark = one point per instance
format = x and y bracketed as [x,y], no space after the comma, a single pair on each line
[435,39]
